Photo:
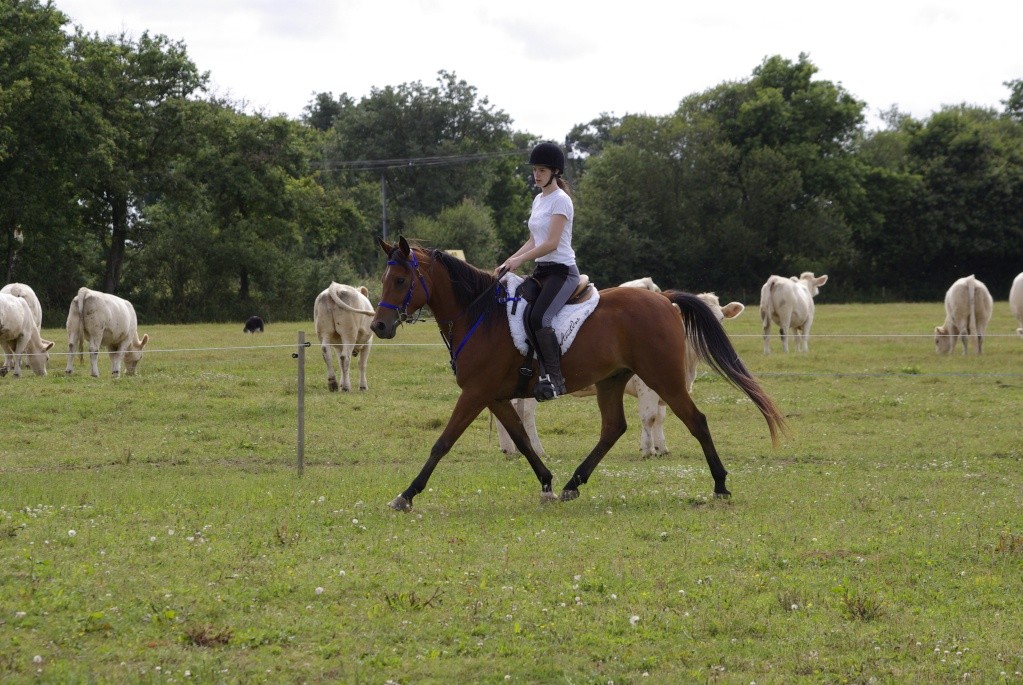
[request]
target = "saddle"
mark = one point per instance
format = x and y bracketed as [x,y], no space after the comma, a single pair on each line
[566,322]
[531,286]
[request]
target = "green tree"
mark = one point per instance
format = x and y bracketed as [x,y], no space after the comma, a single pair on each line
[1014,105]
[468,227]
[37,150]
[434,146]
[229,232]
[746,179]
[134,96]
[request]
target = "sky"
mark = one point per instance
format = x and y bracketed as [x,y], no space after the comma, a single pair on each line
[551,65]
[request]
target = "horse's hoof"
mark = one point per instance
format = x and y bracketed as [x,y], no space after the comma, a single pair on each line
[547,498]
[332,386]
[724,494]
[569,495]
[3,371]
[399,503]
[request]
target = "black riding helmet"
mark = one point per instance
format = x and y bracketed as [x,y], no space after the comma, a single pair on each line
[548,155]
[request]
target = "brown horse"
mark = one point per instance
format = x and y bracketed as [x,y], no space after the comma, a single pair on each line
[631,331]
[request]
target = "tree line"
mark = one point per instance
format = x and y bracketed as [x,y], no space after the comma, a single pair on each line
[120,171]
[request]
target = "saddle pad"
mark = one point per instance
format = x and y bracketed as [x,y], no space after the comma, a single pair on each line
[566,322]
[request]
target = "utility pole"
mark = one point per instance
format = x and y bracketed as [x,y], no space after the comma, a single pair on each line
[383,202]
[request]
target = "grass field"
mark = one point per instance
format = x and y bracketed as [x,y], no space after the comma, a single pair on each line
[154,528]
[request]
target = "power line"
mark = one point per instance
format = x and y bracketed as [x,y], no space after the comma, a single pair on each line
[411,162]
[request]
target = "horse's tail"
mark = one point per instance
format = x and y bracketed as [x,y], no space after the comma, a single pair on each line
[709,341]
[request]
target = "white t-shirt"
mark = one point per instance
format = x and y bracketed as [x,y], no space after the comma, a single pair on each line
[545,207]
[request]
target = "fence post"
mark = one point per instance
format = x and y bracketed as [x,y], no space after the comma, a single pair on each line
[301,402]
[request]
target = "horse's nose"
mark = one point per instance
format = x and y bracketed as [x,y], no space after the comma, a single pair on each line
[379,328]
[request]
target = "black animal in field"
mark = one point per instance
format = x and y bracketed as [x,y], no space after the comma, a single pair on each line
[253,324]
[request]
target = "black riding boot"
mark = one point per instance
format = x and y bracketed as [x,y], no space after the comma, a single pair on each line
[552,384]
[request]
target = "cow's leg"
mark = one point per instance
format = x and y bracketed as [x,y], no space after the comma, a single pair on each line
[116,356]
[651,415]
[328,359]
[503,439]
[345,357]
[363,362]
[19,352]
[8,359]
[525,409]
[94,358]
[72,342]
[518,433]
[765,322]
[610,392]
[803,339]
[783,332]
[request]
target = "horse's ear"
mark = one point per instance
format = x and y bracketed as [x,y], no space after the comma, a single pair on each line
[403,244]
[384,246]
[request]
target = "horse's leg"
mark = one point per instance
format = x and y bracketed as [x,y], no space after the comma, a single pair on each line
[612,426]
[525,407]
[467,408]
[506,414]
[682,405]
[504,440]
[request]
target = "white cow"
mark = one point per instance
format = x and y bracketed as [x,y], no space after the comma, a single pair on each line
[1016,301]
[19,337]
[788,302]
[646,283]
[99,319]
[968,306]
[341,315]
[26,293]
[651,408]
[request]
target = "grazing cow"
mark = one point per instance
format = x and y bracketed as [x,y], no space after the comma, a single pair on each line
[341,315]
[253,324]
[26,293]
[19,337]
[103,320]
[1016,301]
[788,302]
[968,306]
[651,408]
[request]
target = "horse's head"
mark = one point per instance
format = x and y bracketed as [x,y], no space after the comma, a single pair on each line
[400,293]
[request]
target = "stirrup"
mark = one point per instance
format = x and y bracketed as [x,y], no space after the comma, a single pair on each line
[544,389]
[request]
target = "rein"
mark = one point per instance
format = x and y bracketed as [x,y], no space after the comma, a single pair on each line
[502,297]
[496,288]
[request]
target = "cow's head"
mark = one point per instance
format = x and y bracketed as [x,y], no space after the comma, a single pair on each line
[944,342]
[37,360]
[134,355]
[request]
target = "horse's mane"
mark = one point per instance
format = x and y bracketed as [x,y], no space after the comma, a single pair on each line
[468,283]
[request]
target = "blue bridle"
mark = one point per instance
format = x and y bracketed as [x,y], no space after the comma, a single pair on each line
[402,309]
